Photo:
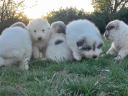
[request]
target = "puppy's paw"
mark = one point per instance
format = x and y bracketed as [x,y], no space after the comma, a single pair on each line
[109,53]
[77,57]
[118,58]
[44,59]
[24,67]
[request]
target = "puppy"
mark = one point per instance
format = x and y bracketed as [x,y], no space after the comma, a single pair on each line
[57,49]
[117,32]
[15,47]
[39,32]
[84,39]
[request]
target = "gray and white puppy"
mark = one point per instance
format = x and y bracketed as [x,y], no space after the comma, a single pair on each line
[84,39]
[117,32]
[57,49]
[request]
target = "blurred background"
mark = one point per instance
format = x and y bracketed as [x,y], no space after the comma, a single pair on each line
[98,11]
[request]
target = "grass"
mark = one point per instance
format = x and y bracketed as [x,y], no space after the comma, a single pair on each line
[102,77]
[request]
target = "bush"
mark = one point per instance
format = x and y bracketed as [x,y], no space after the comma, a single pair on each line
[99,18]
[66,15]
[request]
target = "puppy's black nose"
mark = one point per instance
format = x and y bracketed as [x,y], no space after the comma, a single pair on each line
[94,56]
[39,38]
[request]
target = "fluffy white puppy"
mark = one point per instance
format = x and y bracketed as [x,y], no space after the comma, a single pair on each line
[15,47]
[84,39]
[117,32]
[39,32]
[57,49]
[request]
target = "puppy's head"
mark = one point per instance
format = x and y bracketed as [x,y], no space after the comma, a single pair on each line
[113,29]
[89,49]
[58,27]
[39,29]
[18,24]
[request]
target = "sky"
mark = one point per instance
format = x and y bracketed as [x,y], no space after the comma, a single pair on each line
[37,8]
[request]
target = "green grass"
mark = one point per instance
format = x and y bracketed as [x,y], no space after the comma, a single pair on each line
[102,77]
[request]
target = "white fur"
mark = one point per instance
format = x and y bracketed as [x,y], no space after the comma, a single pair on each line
[78,29]
[59,52]
[19,24]
[39,32]
[119,37]
[15,47]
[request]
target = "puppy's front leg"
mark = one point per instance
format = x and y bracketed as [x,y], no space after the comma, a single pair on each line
[112,51]
[76,55]
[24,64]
[36,53]
[122,54]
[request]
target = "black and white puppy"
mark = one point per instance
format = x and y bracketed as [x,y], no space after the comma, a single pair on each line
[57,49]
[84,39]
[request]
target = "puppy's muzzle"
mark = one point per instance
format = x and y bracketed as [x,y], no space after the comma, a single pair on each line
[39,38]
[94,56]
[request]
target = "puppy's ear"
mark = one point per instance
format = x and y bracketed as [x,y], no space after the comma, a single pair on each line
[61,29]
[81,42]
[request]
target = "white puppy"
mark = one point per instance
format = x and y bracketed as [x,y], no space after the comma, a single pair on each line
[15,47]
[39,32]
[117,32]
[84,39]
[57,49]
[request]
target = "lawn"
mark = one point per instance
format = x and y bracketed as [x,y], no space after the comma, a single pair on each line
[89,77]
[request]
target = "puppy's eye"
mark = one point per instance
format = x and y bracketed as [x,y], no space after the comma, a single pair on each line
[86,48]
[80,43]
[99,46]
[34,30]
[43,30]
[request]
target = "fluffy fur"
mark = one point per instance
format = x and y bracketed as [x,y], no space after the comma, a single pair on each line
[117,32]
[58,27]
[84,39]
[57,49]
[39,32]
[15,47]
[18,24]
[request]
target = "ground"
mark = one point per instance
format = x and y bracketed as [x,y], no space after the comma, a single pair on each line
[102,77]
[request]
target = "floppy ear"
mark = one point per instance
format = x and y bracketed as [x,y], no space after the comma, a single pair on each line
[61,29]
[81,42]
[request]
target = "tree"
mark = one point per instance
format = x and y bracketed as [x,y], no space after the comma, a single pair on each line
[110,6]
[9,9]
[9,13]
[66,15]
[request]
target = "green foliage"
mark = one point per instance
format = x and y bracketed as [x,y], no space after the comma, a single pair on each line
[66,15]
[101,5]
[99,18]
[9,13]
[19,17]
